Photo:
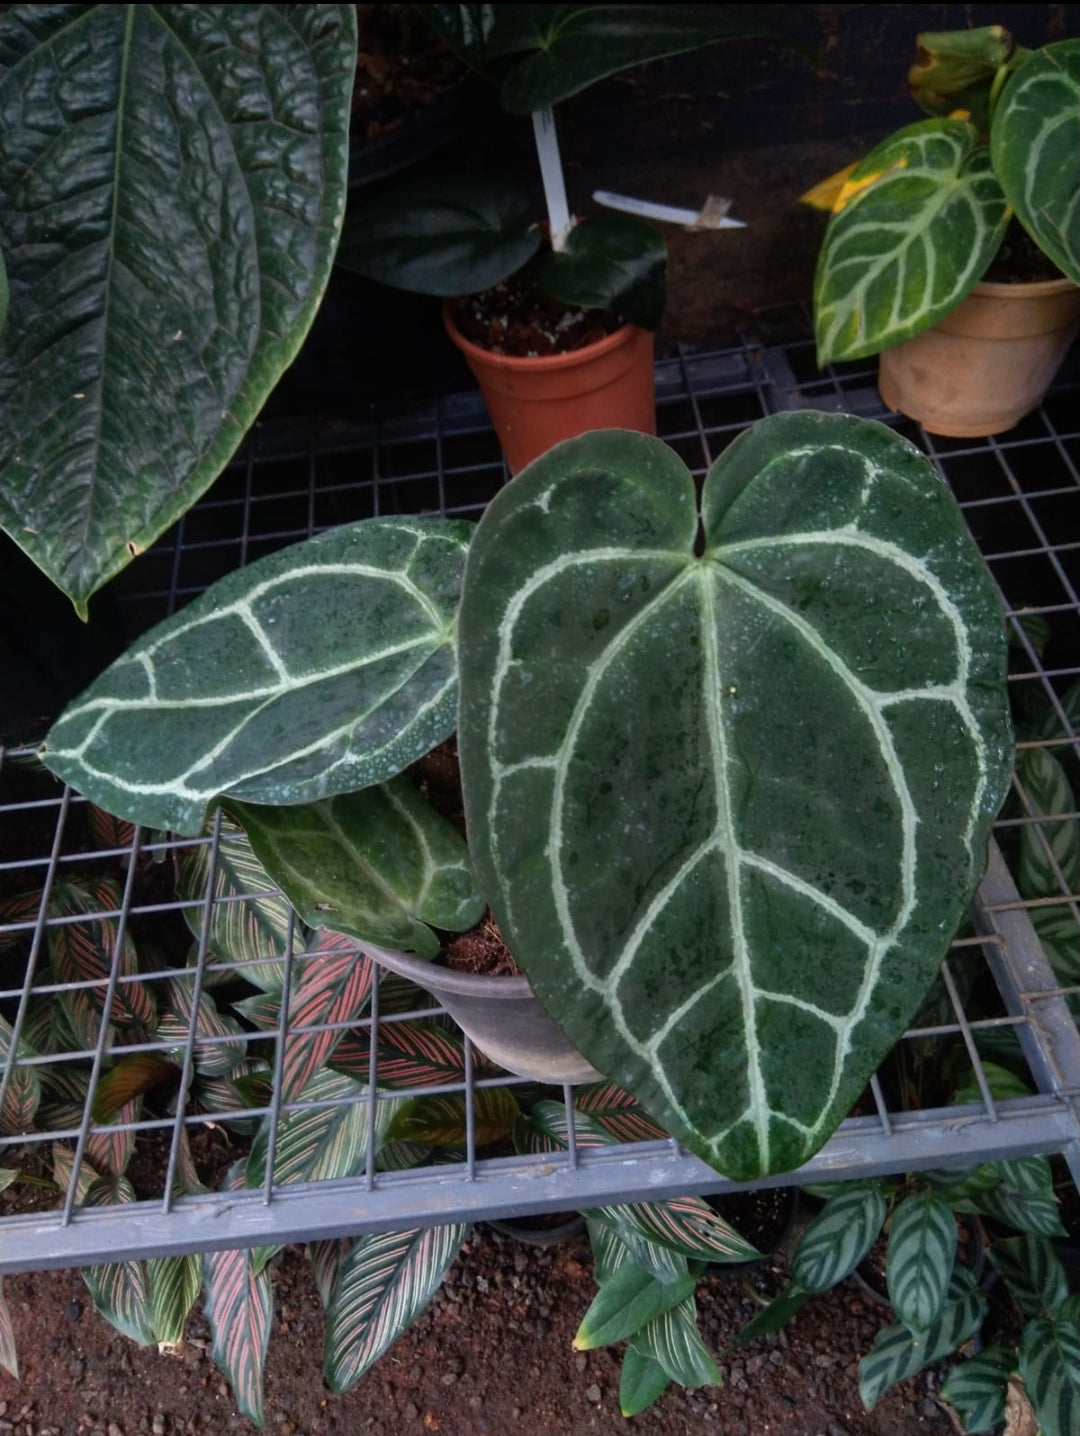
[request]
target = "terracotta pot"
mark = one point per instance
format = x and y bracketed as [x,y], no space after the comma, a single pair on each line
[535,403]
[988,363]
[500,1015]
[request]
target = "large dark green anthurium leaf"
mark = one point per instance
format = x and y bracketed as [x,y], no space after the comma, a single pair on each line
[729,805]
[379,864]
[172,181]
[324,667]
[611,262]
[444,236]
[913,232]
[1035,146]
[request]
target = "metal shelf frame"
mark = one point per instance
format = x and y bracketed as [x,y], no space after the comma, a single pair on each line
[1021,495]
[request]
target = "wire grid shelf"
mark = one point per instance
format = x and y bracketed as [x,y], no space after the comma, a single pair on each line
[1021,496]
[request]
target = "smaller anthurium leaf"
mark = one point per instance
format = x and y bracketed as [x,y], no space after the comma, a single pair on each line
[673,1340]
[440,1121]
[131,1077]
[617,1111]
[954,70]
[320,1141]
[1034,141]
[445,236]
[380,865]
[977,1387]
[838,1238]
[23,1095]
[382,1286]
[1049,850]
[1050,1370]
[920,1257]
[178,1018]
[910,236]
[641,1381]
[1035,1212]
[324,667]
[326,1258]
[625,1302]
[897,1353]
[612,262]
[777,1314]
[688,1225]
[110,1149]
[1032,1270]
[331,984]
[173,1283]
[120,1291]
[239,1305]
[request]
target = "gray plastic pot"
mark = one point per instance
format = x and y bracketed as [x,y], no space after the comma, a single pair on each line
[500,1015]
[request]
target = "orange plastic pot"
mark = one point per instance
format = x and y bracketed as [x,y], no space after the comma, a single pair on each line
[535,403]
[988,363]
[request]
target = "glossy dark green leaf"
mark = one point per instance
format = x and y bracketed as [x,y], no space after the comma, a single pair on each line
[897,1353]
[641,1381]
[321,668]
[732,904]
[924,217]
[625,1302]
[919,1261]
[156,301]
[837,1239]
[1035,144]
[445,236]
[611,262]
[379,864]
[1032,1270]
[1050,1370]
[977,1387]
[673,1341]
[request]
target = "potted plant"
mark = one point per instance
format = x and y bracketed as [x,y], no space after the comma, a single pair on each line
[916,225]
[555,320]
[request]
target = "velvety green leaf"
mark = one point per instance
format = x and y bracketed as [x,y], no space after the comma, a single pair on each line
[1049,850]
[379,864]
[239,1306]
[897,1353]
[777,1314]
[634,790]
[1035,1212]
[119,1290]
[625,1302]
[383,1285]
[641,1381]
[173,1283]
[1034,143]
[977,1387]
[674,1342]
[324,667]
[924,219]
[156,301]
[1032,1270]
[444,235]
[1050,1371]
[612,262]
[9,1356]
[318,1142]
[837,1239]
[954,70]
[919,1260]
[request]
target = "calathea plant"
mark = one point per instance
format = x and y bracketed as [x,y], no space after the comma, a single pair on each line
[729,766]
[916,224]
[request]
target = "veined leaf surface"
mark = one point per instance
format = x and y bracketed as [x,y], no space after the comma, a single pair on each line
[978,1387]
[838,1238]
[729,806]
[172,191]
[1050,1369]
[923,217]
[325,667]
[922,1249]
[1035,147]
[898,1354]
[9,1356]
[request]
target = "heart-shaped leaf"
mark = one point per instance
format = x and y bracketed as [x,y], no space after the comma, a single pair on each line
[172,180]
[730,804]
[321,668]
[611,262]
[912,233]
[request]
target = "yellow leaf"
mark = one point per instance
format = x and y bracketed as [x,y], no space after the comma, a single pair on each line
[824,193]
[852,187]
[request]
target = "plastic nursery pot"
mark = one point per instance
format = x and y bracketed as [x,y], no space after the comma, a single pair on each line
[988,363]
[536,403]
[533,1233]
[501,1016]
[764,1215]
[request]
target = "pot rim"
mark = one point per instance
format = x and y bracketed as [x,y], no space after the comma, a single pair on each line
[543,362]
[1024,289]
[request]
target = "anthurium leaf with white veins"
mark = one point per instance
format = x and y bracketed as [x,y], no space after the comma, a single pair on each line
[325,667]
[729,800]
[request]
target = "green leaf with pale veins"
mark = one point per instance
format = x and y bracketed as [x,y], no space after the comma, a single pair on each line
[919,1262]
[379,864]
[924,219]
[1050,1370]
[325,667]
[977,1388]
[172,182]
[1035,147]
[732,901]
[673,1341]
[1032,1270]
[625,1302]
[839,1237]
[898,1353]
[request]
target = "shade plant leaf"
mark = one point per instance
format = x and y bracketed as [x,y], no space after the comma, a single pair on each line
[641,1381]
[839,1237]
[922,1249]
[331,984]
[173,1283]
[321,668]
[239,1305]
[1033,1273]
[898,1353]
[1050,1369]
[626,1301]
[672,1340]
[120,1290]
[612,262]
[154,305]
[977,1387]
[732,902]
[9,1356]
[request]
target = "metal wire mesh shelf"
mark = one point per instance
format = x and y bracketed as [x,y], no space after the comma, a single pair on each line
[1021,495]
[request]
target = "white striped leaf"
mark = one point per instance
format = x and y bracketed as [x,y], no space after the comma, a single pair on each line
[616,1244]
[1026,1174]
[838,1238]
[641,1381]
[617,1111]
[627,1300]
[326,1258]
[383,1285]
[898,1353]
[7,1176]
[978,1387]
[731,901]
[239,1305]
[688,1225]
[1031,1269]
[213,1057]
[325,667]
[920,1257]
[1034,143]
[1035,1212]
[63,1167]
[120,1290]
[1050,1370]
[380,864]
[9,1356]
[23,1093]
[674,1342]
[173,1283]
[332,984]
[1059,933]
[1049,850]
[320,1141]
[915,228]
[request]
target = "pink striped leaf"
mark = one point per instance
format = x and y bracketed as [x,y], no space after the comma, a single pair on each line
[172,1283]
[213,1056]
[687,1225]
[44,1030]
[119,1290]
[326,1258]
[547,1130]
[248,1088]
[110,1150]
[262,1009]
[14,912]
[333,986]
[107,831]
[23,1093]
[63,1169]
[85,951]
[613,1249]
[324,1141]
[239,1305]
[440,1121]
[382,1286]
[619,1113]
[9,1357]
[408,1054]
